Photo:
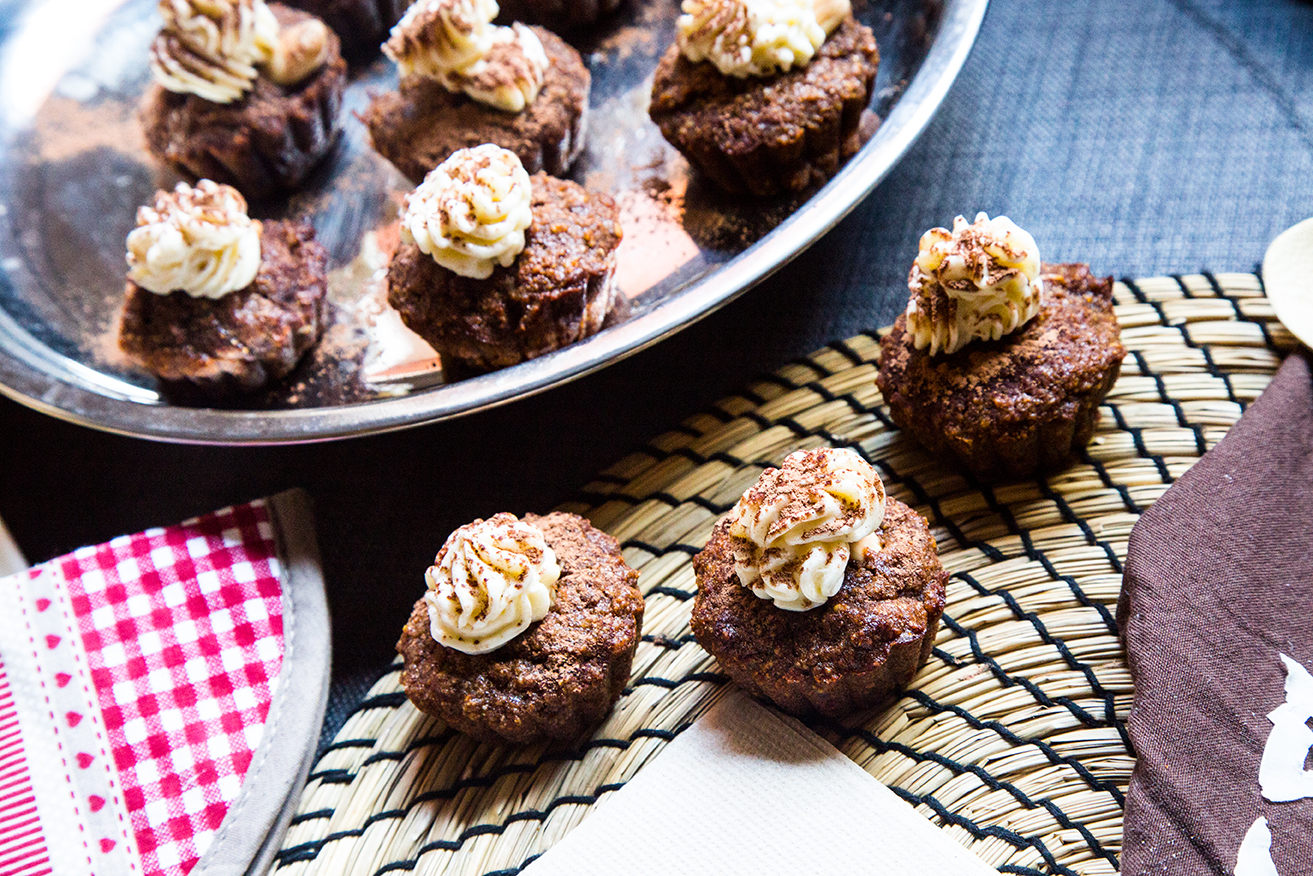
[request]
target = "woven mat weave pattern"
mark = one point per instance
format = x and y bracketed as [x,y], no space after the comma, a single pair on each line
[1011,737]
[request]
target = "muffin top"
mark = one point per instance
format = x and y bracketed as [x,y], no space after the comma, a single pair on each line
[562,672]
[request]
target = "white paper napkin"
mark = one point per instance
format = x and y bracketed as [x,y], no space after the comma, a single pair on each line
[745,790]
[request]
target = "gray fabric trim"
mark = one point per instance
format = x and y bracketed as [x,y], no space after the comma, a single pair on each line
[252,831]
[11,558]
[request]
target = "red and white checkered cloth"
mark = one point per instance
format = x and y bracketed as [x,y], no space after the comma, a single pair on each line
[135,681]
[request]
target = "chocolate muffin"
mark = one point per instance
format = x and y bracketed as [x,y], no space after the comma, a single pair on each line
[559,15]
[245,339]
[853,651]
[361,25]
[418,127]
[1019,404]
[557,291]
[770,135]
[558,678]
[264,142]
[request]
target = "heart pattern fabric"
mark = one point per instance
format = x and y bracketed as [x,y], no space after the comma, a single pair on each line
[135,681]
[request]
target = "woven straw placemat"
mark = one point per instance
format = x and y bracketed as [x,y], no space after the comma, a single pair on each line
[1012,737]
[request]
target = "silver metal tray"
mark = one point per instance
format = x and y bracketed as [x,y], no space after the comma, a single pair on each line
[73,170]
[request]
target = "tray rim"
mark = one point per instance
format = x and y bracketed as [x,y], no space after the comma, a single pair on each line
[23,380]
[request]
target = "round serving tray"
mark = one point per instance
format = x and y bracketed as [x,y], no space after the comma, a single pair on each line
[73,169]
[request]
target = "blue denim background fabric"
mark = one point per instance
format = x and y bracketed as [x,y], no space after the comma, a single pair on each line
[1141,136]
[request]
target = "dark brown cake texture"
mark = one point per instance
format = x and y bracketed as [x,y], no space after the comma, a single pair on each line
[262,144]
[418,127]
[361,25]
[561,676]
[775,134]
[557,291]
[245,339]
[1020,404]
[862,645]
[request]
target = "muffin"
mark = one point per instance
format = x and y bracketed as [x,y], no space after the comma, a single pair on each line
[765,97]
[817,592]
[361,25]
[465,82]
[999,363]
[245,93]
[218,303]
[527,629]
[496,267]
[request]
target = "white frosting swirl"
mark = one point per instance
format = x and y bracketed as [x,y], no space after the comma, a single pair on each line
[490,581]
[455,43]
[980,280]
[471,211]
[435,37]
[211,48]
[511,74]
[755,37]
[794,531]
[197,240]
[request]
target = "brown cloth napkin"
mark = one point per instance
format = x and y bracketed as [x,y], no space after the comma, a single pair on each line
[1218,584]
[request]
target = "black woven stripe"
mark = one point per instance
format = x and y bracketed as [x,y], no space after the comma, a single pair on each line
[1145,299]
[653,733]
[309,850]
[946,657]
[717,413]
[1039,556]
[1164,396]
[664,498]
[1240,314]
[890,474]
[1137,437]
[666,642]
[1060,646]
[349,743]
[1122,490]
[681,595]
[842,348]
[993,783]
[1109,701]
[1069,515]
[381,701]
[672,683]
[422,742]
[1201,445]
[382,756]
[1180,282]
[331,777]
[1135,290]
[784,383]
[1217,372]
[657,551]
[1011,837]
[495,829]
[515,870]
[1008,680]
[310,816]
[1008,735]
[757,420]
[753,397]
[814,367]
[825,394]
